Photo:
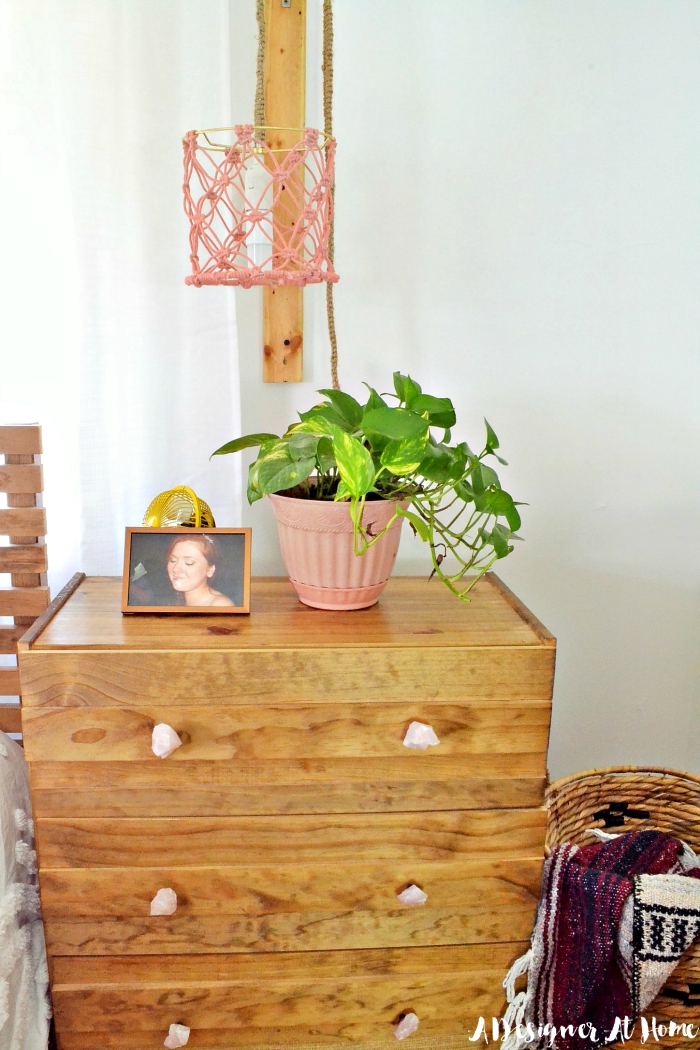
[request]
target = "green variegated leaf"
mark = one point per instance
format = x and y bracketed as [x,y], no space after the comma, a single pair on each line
[354,463]
[249,441]
[411,391]
[278,474]
[325,456]
[439,409]
[302,445]
[350,409]
[394,423]
[329,414]
[403,457]
[374,400]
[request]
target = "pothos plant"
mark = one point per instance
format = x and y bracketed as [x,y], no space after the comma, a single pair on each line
[343,450]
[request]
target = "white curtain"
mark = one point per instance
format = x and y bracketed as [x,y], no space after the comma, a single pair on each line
[133,375]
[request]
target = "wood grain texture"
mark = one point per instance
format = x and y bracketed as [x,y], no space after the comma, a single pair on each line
[23,601]
[287,731]
[10,718]
[433,1035]
[50,611]
[132,679]
[19,440]
[412,613]
[150,842]
[9,681]
[343,785]
[256,890]
[21,478]
[285,108]
[28,521]
[9,636]
[23,558]
[338,993]
[287,908]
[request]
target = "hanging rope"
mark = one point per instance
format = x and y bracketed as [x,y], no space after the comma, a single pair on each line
[259,114]
[328,128]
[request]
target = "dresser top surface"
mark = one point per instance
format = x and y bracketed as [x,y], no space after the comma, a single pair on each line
[412,612]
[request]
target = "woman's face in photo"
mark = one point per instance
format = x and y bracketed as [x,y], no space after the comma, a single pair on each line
[187,566]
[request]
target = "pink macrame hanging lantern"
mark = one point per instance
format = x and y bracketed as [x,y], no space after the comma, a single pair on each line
[258,215]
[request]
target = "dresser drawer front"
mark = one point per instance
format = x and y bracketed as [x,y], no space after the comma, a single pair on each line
[247,998]
[288,908]
[203,841]
[406,783]
[186,678]
[261,732]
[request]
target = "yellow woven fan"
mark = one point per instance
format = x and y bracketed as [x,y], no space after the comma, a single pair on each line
[180,506]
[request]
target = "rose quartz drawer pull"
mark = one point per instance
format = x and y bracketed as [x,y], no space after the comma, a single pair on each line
[420,736]
[411,896]
[165,740]
[407,1026]
[164,902]
[177,1036]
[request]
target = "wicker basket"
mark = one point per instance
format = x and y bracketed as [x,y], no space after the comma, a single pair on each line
[622,799]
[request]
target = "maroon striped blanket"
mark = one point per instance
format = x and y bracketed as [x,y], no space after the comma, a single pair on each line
[612,923]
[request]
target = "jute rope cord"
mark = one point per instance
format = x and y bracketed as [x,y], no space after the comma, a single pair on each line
[628,798]
[328,128]
[259,109]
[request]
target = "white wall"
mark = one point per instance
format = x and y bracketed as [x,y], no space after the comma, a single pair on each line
[518,197]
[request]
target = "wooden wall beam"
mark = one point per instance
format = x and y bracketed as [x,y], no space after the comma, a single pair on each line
[285,107]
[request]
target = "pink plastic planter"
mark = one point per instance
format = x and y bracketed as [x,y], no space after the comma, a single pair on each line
[317,548]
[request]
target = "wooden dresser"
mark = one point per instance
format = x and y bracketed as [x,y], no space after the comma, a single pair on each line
[291,816]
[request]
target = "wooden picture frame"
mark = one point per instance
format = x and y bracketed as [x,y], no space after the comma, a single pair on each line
[158,578]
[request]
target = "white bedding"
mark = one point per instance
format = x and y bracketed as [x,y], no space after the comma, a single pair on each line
[24,1004]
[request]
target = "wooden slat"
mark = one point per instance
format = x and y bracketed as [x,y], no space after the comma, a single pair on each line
[283,334]
[29,558]
[155,788]
[449,988]
[20,440]
[9,681]
[23,601]
[289,908]
[110,679]
[249,733]
[29,521]
[10,718]
[17,478]
[285,107]
[86,842]
[9,636]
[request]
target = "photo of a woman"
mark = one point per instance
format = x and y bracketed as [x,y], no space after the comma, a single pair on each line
[186,570]
[191,565]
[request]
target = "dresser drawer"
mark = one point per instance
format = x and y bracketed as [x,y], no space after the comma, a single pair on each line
[309,674]
[227,1001]
[288,908]
[267,840]
[409,782]
[290,731]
